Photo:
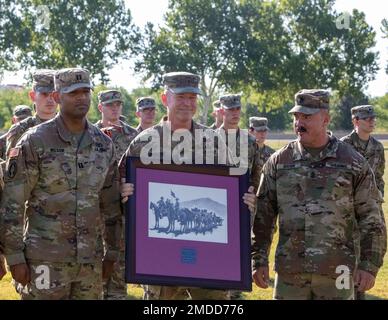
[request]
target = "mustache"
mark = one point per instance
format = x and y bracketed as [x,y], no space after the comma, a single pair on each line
[301,129]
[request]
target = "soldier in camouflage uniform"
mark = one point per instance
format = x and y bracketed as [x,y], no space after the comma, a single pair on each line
[63,176]
[180,99]
[110,106]
[20,113]
[230,111]
[216,114]
[322,190]
[364,121]
[44,105]
[146,112]
[258,127]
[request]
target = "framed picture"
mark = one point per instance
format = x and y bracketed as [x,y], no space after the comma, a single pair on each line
[186,225]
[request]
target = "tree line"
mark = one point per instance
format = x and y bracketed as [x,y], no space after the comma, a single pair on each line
[266,49]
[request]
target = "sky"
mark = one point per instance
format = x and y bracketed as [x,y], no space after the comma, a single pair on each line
[122,74]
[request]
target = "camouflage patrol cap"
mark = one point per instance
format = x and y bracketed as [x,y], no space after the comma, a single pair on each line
[22,111]
[216,104]
[43,80]
[68,80]
[310,101]
[258,123]
[363,112]
[182,82]
[230,101]
[109,96]
[145,103]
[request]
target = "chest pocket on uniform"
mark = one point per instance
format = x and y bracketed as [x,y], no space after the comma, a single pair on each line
[56,173]
[315,181]
[339,182]
[91,170]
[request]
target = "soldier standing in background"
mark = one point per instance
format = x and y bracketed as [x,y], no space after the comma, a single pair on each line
[364,122]
[110,105]
[44,105]
[62,176]
[216,114]
[230,111]
[322,190]
[20,113]
[146,112]
[258,127]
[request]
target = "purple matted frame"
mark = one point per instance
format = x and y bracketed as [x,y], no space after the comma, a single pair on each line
[187,262]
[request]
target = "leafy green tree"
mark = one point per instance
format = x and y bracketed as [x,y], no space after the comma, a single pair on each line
[204,37]
[273,47]
[319,53]
[56,34]
[381,108]
[12,31]
[269,104]
[340,109]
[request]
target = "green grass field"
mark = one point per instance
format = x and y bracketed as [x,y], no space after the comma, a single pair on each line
[380,291]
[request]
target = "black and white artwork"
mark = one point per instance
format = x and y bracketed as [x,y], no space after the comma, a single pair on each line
[187,213]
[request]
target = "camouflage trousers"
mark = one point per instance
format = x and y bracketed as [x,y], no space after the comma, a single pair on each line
[115,288]
[62,281]
[309,286]
[152,292]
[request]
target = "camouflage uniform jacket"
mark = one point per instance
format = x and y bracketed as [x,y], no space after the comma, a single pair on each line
[121,136]
[320,202]
[143,139]
[68,192]
[264,154]
[374,153]
[18,129]
[253,157]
